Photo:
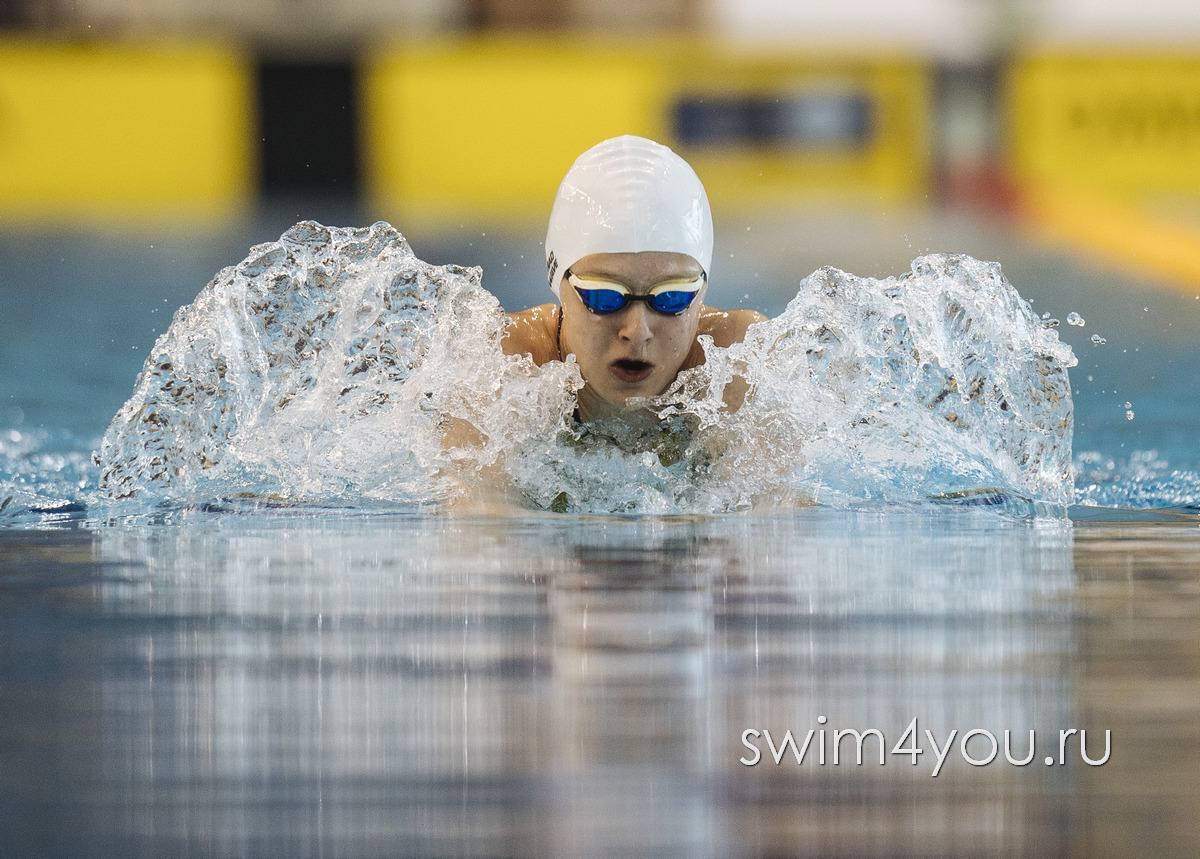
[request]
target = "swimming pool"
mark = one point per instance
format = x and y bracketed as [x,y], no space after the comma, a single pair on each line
[378,682]
[80,312]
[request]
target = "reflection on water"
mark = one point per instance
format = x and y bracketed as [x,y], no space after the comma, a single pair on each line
[394,685]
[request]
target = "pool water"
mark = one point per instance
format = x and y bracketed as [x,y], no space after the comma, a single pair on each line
[79,312]
[256,681]
[292,685]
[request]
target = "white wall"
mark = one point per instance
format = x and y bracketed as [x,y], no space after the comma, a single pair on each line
[302,20]
[940,28]
[1118,21]
[955,29]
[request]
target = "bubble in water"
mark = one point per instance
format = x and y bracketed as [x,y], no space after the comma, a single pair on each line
[329,366]
[1074,318]
[1128,404]
[1129,414]
[1098,340]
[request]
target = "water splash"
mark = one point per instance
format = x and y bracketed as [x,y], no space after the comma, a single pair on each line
[328,366]
[44,476]
[1144,479]
[942,380]
[322,368]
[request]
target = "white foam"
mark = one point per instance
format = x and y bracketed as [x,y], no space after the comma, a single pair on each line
[324,367]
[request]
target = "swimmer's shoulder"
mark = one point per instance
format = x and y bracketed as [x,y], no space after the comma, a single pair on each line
[533,332]
[727,327]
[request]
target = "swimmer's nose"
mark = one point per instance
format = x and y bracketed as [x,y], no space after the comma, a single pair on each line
[635,326]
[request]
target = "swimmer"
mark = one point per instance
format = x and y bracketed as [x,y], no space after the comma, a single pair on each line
[628,255]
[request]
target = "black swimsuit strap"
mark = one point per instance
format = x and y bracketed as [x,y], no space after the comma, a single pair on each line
[558,335]
[561,357]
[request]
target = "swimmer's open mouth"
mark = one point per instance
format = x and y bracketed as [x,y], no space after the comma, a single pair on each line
[631,370]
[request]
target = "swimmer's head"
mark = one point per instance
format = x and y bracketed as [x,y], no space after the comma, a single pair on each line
[630,320]
[632,227]
[626,195]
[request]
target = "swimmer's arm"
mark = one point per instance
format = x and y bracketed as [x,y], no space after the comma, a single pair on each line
[476,491]
[532,332]
[527,332]
[727,327]
[487,491]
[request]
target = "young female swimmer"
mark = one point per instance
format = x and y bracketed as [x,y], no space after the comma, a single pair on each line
[628,253]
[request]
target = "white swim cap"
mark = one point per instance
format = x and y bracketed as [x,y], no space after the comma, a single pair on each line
[626,195]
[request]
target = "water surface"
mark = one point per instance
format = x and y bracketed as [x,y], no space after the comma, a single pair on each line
[283,684]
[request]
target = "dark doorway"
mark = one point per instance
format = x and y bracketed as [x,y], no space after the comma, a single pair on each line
[308,129]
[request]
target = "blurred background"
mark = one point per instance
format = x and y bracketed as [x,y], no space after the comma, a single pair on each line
[240,682]
[144,144]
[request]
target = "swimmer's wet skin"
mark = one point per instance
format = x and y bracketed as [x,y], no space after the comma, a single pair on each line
[628,254]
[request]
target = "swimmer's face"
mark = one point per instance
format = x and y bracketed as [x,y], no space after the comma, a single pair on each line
[635,352]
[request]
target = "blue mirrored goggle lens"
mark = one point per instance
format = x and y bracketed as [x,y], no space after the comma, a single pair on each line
[602,300]
[673,302]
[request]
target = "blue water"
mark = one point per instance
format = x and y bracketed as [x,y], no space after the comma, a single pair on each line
[248,680]
[78,312]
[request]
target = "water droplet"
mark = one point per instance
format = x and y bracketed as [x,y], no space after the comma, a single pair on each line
[1074,318]
[1098,340]
[1091,378]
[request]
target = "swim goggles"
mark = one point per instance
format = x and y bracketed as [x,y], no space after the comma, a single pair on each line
[671,297]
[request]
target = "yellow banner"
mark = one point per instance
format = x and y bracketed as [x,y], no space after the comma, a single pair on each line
[1123,124]
[104,130]
[489,126]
